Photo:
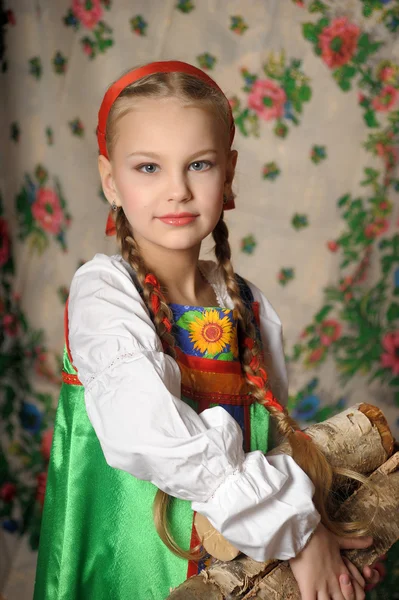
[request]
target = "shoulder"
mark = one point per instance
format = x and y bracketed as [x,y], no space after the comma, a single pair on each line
[102,275]
[104,290]
[266,309]
[105,268]
[107,319]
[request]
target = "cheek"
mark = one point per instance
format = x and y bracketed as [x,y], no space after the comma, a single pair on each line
[212,183]
[132,192]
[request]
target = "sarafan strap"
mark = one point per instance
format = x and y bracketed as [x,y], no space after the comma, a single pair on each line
[69,378]
[169,66]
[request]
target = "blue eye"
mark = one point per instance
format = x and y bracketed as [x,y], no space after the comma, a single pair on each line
[148,168]
[200,165]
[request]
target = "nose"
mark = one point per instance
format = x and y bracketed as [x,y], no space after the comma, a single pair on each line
[178,188]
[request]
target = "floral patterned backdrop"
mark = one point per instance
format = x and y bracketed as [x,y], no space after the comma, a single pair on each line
[314,88]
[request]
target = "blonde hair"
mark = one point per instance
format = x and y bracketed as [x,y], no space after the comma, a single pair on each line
[307,455]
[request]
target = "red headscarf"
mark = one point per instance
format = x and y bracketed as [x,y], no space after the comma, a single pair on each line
[170,66]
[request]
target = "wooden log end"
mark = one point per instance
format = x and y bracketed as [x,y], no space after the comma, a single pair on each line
[213,541]
[376,417]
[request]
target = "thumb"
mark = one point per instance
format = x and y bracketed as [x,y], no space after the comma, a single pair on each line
[349,543]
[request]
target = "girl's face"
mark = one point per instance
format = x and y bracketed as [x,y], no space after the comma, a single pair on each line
[169,159]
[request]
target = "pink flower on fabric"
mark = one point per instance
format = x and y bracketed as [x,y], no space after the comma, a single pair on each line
[41,487]
[10,325]
[390,154]
[387,74]
[333,246]
[11,17]
[4,242]
[338,42]
[377,228]
[45,446]
[316,355]
[346,282]
[89,12]
[7,491]
[46,209]
[386,100]
[390,358]
[267,99]
[330,331]
[87,49]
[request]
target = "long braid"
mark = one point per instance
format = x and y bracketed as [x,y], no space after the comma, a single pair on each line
[162,317]
[153,297]
[304,451]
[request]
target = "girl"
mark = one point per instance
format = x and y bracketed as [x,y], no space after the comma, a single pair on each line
[171,369]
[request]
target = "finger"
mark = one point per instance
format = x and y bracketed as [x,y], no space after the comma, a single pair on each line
[360,542]
[324,595]
[359,591]
[374,580]
[355,573]
[367,572]
[372,575]
[308,595]
[351,590]
[308,592]
[347,588]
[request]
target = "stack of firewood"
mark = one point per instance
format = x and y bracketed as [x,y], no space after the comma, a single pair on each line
[358,439]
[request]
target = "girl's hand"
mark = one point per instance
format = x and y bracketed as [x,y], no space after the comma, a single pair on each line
[321,571]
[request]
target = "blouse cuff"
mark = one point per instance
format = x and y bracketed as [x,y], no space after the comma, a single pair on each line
[264,508]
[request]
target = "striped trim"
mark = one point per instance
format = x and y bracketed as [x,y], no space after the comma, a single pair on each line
[192,566]
[214,383]
[66,333]
[208,365]
[204,398]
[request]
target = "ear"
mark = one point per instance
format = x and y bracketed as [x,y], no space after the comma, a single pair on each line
[107,180]
[230,169]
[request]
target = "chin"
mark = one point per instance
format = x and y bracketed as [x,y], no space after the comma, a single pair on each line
[179,246]
[180,240]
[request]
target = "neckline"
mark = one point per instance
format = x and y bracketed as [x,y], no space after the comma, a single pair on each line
[217,288]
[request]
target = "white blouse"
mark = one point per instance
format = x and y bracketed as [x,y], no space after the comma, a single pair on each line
[261,504]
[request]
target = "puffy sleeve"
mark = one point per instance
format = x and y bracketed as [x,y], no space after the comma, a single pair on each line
[262,505]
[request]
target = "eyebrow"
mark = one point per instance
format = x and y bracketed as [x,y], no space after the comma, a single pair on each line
[157,156]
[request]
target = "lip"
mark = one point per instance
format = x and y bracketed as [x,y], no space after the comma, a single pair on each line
[177,215]
[178,219]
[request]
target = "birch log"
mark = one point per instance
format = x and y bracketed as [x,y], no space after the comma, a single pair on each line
[359,439]
[246,579]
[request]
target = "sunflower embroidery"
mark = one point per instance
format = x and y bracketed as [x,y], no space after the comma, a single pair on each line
[210,333]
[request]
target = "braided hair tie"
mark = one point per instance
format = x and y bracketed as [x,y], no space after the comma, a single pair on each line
[156,297]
